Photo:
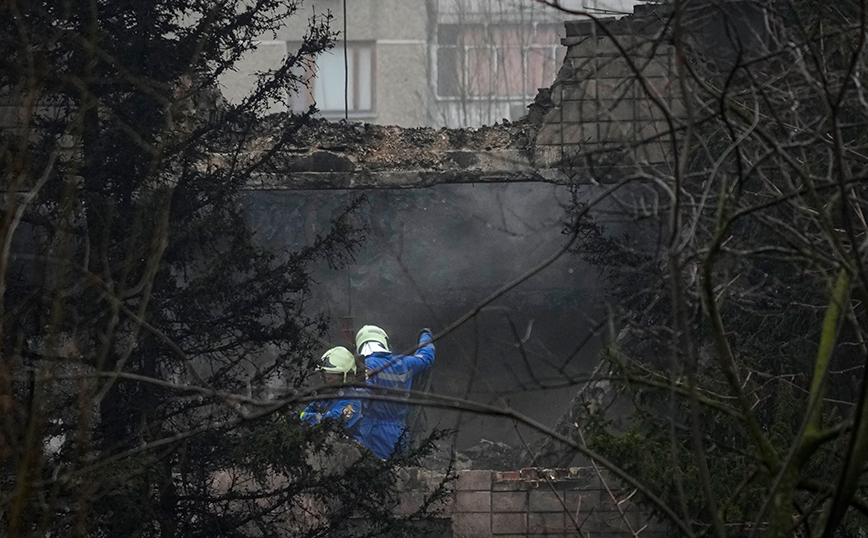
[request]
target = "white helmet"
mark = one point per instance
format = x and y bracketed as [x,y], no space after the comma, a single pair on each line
[338,360]
[371,333]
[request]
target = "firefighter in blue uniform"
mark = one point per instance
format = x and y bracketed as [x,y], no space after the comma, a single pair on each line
[336,364]
[384,422]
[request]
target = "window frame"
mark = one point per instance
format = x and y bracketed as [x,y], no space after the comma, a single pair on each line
[461,57]
[310,76]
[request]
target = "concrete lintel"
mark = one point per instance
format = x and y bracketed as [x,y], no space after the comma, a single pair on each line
[405,179]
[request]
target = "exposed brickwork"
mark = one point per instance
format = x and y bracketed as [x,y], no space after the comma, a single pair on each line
[531,502]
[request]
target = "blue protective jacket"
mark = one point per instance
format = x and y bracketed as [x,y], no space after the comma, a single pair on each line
[384,422]
[347,408]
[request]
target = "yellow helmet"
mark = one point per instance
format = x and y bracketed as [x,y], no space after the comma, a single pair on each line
[371,333]
[338,360]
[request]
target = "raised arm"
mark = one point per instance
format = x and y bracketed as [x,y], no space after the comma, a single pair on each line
[424,356]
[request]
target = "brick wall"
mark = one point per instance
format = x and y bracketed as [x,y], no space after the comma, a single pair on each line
[492,504]
[603,94]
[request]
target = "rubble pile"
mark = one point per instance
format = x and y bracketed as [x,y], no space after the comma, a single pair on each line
[342,155]
[495,455]
[490,455]
[380,147]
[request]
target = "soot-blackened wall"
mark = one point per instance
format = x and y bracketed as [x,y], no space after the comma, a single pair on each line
[433,254]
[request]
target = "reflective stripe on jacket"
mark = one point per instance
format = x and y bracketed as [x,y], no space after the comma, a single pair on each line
[385,421]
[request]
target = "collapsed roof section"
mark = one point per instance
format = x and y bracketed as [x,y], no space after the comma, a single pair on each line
[614,105]
[594,113]
[339,155]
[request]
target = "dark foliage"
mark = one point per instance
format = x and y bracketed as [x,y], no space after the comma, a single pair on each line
[738,301]
[141,322]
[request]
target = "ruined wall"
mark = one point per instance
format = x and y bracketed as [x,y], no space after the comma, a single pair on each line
[613,92]
[616,100]
[551,502]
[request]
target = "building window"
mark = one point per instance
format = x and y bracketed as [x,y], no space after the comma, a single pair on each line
[326,82]
[496,60]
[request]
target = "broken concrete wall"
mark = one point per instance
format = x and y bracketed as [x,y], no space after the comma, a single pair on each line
[618,92]
[616,97]
[360,156]
[614,92]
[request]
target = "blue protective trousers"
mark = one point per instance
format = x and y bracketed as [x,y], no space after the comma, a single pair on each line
[382,436]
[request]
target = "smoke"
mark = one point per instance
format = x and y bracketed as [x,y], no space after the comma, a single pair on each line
[433,254]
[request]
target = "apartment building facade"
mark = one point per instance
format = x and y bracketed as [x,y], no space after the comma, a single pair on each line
[437,63]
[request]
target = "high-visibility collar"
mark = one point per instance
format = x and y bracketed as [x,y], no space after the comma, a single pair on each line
[372,347]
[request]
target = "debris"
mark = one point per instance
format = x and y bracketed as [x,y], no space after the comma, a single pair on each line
[542,103]
[487,454]
[444,457]
[495,455]
[384,147]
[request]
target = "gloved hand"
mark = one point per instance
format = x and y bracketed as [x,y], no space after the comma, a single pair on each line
[311,417]
[422,333]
